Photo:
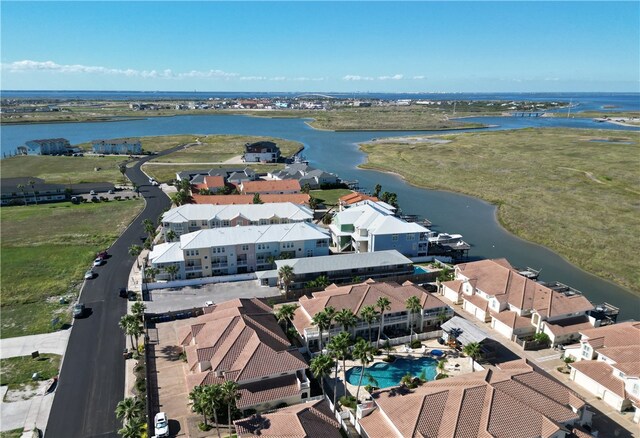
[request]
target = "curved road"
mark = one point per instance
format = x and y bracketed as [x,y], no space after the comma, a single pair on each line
[92,376]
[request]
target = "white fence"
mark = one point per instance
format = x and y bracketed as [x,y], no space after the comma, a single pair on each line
[204,280]
[420,336]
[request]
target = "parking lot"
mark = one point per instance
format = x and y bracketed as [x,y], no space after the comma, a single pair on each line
[172,299]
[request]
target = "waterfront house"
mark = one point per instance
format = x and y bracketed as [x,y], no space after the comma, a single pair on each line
[513,400]
[354,297]
[296,198]
[518,307]
[241,341]
[237,250]
[211,183]
[304,420]
[194,217]
[125,146]
[261,152]
[344,268]
[272,187]
[607,364]
[371,226]
[347,201]
[305,174]
[233,176]
[48,146]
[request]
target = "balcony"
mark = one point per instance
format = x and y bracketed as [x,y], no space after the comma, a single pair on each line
[193,268]
[303,382]
[219,265]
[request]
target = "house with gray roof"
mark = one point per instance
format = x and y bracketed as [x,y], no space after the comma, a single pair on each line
[47,146]
[124,146]
[238,250]
[306,174]
[194,217]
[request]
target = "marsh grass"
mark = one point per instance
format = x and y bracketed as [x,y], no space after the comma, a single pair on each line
[45,251]
[63,170]
[554,187]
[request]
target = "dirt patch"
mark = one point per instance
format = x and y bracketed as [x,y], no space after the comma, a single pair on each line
[29,391]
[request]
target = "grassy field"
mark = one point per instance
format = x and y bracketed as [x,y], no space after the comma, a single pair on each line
[17,371]
[329,197]
[45,251]
[218,148]
[15,433]
[63,170]
[167,173]
[555,187]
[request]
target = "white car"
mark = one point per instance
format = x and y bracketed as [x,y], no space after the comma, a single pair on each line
[89,274]
[161,425]
[98,262]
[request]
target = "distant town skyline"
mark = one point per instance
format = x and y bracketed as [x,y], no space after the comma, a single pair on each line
[321,46]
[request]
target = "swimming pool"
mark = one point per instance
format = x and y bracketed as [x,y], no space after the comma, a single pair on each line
[419,270]
[385,375]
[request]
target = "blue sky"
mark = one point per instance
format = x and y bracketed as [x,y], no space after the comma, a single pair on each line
[321,46]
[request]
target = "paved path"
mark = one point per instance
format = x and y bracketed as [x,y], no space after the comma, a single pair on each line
[93,372]
[55,343]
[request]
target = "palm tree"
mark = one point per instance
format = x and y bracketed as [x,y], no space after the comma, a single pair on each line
[286,275]
[171,235]
[149,228]
[368,314]
[320,367]
[137,310]
[339,348]
[346,318]
[131,327]
[134,251]
[199,403]
[363,352]
[256,199]
[377,190]
[179,198]
[285,314]
[213,396]
[230,396]
[172,270]
[383,304]
[24,196]
[313,203]
[474,351]
[129,408]
[321,320]
[440,367]
[322,281]
[330,311]
[150,273]
[413,306]
[133,429]
[32,183]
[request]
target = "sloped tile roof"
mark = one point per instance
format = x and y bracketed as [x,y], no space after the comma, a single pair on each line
[615,335]
[355,297]
[296,198]
[306,420]
[275,185]
[495,403]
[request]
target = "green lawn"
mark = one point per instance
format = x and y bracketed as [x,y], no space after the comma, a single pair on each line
[17,371]
[554,187]
[329,197]
[63,170]
[45,251]
[15,433]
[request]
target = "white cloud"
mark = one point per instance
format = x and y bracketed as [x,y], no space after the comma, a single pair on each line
[357,78]
[394,77]
[253,78]
[28,65]
[418,77]
[278,78]
[302,79]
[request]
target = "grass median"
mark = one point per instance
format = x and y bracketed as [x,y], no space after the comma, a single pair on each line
[17,372]
[574,191]
[45,251]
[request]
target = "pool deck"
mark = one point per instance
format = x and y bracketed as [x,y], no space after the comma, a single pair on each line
[400,351]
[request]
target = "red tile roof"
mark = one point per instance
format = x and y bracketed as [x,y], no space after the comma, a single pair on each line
[306,420]
[354,197]
[296,198]
[602,373]
[514,400]
[276,185]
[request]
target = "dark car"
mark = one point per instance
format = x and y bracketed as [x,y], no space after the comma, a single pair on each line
[123,293]
[78,310]
[132,296]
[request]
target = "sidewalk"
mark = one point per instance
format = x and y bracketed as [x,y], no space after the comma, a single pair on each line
[33,412]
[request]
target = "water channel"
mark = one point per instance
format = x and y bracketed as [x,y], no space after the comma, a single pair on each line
[337,152]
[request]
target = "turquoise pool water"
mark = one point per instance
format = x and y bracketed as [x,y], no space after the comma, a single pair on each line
[385,375]
[419,270]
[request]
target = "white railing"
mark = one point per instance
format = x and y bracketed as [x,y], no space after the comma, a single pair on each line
[203,280]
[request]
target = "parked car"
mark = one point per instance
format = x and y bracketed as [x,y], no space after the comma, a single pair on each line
[89,274]
[92,192]
[154,183]
[110,192]
[78,310]
[98,262]
[161,425]
[123,292]
[102,254]
[132,296]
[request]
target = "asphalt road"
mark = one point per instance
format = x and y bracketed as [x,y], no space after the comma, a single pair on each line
[92,377]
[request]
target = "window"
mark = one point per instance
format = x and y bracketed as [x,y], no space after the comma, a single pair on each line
[264,222]
[410,236]
[225,223]
[394,237]
[245,247]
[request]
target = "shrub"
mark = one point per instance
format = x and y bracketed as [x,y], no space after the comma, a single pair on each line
[348,401]
[389,358]
[204,427]
[416,344]
[442,376]
[117,198]
[141,385]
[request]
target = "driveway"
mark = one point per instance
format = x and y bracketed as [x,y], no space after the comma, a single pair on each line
[166,300]
[55,343]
